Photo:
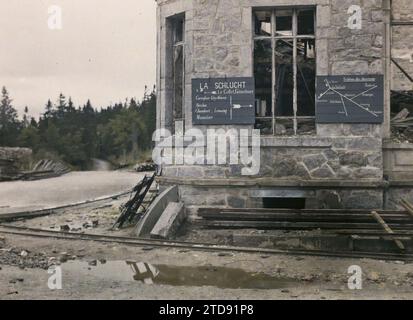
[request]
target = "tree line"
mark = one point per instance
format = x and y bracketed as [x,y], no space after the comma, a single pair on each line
[119,133]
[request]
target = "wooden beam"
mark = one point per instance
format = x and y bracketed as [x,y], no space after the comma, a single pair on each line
[270,225]
[387,229]
[408,206]
[401,23]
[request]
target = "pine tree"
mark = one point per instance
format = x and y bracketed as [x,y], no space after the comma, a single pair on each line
[9,124]
[70,106]
[133,104]
[48,110]
[26,117]
[61,106]
[88,109]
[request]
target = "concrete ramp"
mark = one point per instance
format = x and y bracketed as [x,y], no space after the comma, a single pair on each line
[155,211]
[171,219]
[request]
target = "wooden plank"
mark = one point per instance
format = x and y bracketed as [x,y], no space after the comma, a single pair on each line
[297,214]
[387,229]
[408,206]
[268,225]
[302,218]
[379,233]
[317,211]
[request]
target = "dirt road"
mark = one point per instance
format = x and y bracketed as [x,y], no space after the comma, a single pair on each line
[71,188]
[105,271]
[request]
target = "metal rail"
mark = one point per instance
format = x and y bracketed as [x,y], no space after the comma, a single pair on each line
[38,233]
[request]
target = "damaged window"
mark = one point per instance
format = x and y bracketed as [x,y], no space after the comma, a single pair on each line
[178,67]
[401,77]
[285,71]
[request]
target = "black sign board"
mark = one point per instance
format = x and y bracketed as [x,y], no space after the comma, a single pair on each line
[350,99]
[217,101]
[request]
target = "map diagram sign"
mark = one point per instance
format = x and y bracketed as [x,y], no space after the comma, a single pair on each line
[220,101]
[350,99]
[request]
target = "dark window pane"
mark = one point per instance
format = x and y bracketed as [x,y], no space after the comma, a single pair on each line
[305,20]
[263,77]
[178,78]
[284,22]
[179,30]
[263,23]
[306,73]
[285,78]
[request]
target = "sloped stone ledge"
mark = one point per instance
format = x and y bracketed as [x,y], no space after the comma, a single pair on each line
[271,182]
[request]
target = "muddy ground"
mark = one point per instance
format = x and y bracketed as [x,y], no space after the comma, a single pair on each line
[92,270]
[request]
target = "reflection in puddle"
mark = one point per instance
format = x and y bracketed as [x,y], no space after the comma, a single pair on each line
[220,277]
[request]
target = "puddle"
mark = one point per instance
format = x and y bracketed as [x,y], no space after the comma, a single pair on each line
[220,277]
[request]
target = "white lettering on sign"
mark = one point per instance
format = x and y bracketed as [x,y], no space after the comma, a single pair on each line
[230,85]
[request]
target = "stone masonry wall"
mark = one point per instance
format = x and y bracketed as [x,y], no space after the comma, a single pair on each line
[355,51]
[402,44]
[356,155]
[239,197]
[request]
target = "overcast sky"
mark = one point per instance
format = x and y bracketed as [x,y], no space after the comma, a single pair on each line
[105,51]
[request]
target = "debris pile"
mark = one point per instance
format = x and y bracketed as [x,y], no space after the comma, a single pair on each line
[402,121]
[45,169]
[11,160]
[134,209]
[23,259]
[346,232]
[145,167]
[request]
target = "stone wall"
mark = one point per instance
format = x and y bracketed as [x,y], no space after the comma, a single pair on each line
[398,161]
[394,194]
[402,44]
[240,197]
[354,155]
[353,51]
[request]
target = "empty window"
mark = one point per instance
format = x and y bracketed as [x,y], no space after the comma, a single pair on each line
[285,71]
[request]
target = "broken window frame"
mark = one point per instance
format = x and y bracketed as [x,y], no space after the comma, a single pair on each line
[295,37]
[178,47]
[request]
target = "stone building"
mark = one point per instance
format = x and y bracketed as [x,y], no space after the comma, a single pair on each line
[318,148]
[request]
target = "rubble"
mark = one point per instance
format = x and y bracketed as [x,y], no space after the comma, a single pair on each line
[145,167]
[93,263]
[135,208]
[28,260]
[11,160]
[65,228]
[45,169]
[402,119]
[373,276]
